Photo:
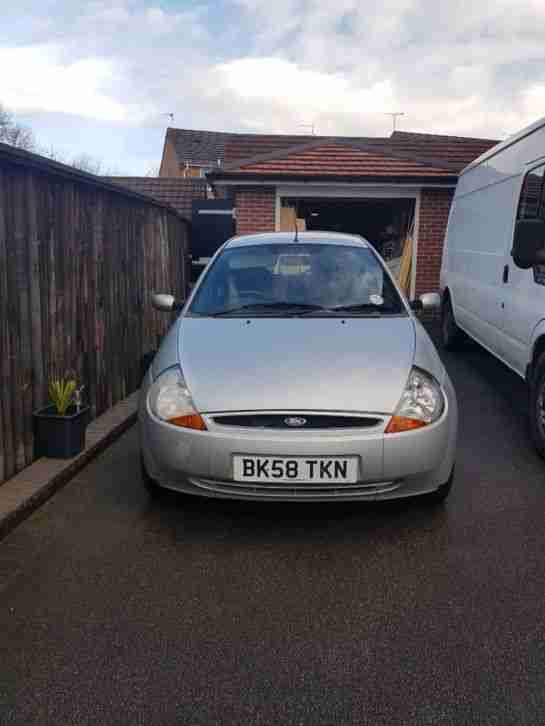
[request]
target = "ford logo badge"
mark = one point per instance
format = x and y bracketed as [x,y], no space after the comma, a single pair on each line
[295,421]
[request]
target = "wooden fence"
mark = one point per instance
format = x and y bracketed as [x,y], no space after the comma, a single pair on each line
[79,258]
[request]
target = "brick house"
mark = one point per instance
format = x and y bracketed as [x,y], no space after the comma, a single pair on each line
[390,190]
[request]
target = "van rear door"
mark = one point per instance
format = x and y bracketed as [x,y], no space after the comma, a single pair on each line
[523,291]
[477,237]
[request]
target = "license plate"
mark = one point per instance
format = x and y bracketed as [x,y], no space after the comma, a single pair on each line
[311,469]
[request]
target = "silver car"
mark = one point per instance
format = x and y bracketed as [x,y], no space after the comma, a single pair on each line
[296,370]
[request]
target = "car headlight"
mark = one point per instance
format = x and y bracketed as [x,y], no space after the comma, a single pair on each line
[169,399]
[422,402]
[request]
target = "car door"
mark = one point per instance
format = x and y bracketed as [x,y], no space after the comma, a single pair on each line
[523,291]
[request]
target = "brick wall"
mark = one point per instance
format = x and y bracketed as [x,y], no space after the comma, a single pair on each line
[255,210]
[256,213]
[169,162]
[434,209]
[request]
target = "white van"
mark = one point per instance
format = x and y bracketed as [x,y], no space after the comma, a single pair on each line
[493,271]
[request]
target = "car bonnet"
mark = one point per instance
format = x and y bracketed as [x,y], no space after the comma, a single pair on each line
[352,364]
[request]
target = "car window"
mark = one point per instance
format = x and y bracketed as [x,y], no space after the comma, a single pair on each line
[320,277]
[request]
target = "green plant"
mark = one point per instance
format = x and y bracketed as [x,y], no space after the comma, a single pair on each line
[61,392]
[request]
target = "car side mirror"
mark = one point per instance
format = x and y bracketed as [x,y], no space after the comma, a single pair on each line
[166,303]
[529,243]
[427,301]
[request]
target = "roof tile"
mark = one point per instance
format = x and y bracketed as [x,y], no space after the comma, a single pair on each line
[341,159]
[176,191]
[207,147]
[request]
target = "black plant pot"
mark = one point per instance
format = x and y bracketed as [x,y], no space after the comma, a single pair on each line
[60,437]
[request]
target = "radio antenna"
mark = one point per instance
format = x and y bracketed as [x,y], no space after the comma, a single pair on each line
[311,126]
[394,117]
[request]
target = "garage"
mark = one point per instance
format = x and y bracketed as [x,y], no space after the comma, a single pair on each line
[387,223]
[395,192]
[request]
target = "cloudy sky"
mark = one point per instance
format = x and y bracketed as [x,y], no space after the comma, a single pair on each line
[99,77]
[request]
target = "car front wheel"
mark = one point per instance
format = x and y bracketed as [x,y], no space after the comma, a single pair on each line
[439,495]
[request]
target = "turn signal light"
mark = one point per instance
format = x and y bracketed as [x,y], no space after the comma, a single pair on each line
[400,423]
[192,421]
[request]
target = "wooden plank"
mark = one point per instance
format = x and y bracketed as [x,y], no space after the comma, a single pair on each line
[11,361]
[35,293]
[109,304]
[132,303]
[58,241]
[405,271]
[147,316]
[79,284]
[51,341]
[114,312]
[69,253]
[127,347]
[43,255]
[99,323]
[6,389]
[13,320]
[22,376]
[88,301]
[140,302]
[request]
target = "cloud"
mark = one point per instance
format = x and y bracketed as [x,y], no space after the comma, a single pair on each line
[43,82]
[451,67]
[308,91]
[456,67]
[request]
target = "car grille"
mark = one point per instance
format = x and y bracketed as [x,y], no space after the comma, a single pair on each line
[311,421]
[264,490]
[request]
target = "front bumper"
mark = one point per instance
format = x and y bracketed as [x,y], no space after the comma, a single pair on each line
[391,466]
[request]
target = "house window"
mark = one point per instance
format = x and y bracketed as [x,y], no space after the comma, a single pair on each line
[532,201]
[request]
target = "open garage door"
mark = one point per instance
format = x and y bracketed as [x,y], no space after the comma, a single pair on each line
[388,224]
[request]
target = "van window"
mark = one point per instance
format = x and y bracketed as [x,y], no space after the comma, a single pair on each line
[532,202]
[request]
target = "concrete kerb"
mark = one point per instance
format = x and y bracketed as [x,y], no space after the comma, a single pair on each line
[21,495]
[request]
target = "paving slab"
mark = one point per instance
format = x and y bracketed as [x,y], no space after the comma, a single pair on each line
[26,491]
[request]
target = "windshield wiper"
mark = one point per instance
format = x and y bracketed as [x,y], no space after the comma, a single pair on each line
[296,308]
[362,307]
[366,308]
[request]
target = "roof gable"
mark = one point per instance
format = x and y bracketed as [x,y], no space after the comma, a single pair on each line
[458,151]
[244,146]
[218,149]
[334,158]
[199,148]
[207,147]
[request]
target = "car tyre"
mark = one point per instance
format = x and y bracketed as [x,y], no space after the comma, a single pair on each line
[437,497]
[451,335]
[152,487]
[537,405]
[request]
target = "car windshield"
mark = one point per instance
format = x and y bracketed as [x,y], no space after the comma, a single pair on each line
[297,279]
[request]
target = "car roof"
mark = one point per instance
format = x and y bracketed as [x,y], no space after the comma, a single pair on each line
[330,238]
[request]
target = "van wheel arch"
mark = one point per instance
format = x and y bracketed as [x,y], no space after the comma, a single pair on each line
[537,400]
[452,336]
[539,348]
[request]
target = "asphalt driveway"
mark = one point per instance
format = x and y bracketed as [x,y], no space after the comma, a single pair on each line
[118,610]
